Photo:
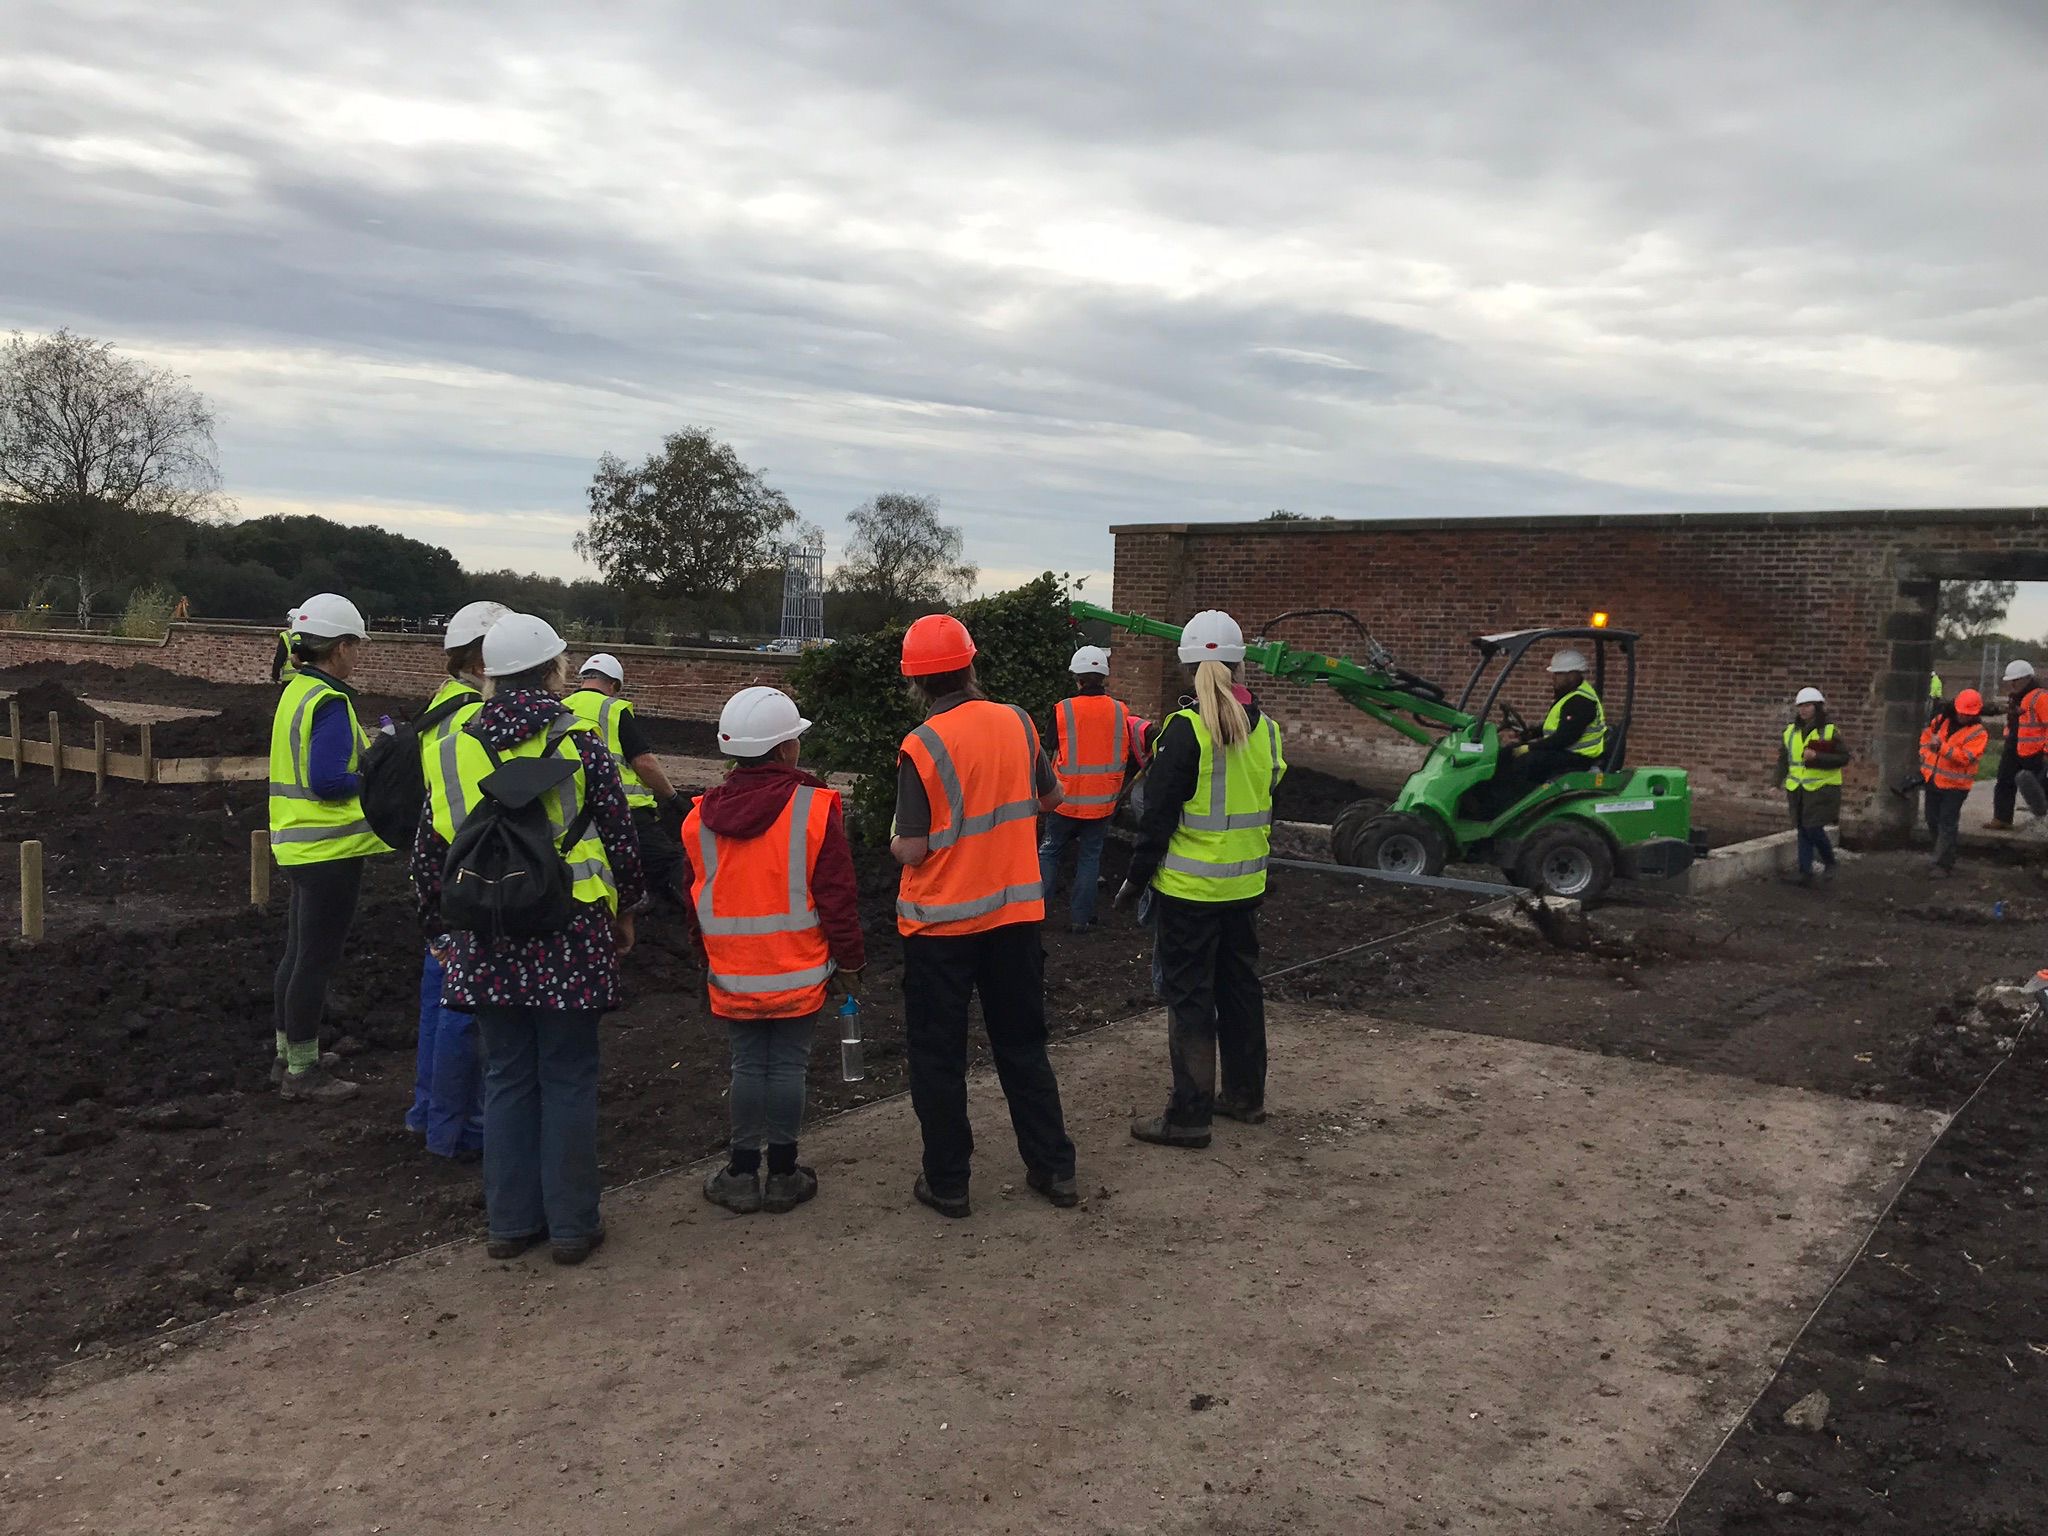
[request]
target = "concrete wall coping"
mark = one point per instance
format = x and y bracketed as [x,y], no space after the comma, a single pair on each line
[381,636]
[1889,517]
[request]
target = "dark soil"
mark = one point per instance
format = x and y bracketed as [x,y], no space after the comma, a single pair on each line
[1309,794]
[39,701]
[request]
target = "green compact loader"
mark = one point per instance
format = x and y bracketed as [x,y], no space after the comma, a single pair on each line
[1567,837]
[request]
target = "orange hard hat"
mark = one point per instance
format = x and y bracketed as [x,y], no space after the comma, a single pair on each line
[1969,702]
[938,642]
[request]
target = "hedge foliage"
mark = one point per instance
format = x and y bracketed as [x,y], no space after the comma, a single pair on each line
[863,708]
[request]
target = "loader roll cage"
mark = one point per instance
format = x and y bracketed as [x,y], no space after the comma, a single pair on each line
[1510,647]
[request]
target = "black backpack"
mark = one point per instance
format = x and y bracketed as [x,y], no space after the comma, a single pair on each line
[394,786]
[506,875]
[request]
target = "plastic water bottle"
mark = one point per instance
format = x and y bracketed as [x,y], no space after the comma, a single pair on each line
[385,727]
[1998,911]
[852,1061]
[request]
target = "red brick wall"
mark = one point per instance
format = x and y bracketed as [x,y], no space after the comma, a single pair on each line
[1736,612]
[682,684]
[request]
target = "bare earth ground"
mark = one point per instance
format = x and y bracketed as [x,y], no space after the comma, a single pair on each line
[1456,1283]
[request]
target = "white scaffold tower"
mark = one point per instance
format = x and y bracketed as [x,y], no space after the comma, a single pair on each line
[803,590]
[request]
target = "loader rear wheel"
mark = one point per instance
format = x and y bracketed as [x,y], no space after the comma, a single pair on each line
[1350,825]
[1566,860]
[1397,843]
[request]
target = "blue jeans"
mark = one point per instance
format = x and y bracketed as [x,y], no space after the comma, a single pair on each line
[1813,842]
[540,1121]
[1088,837]
[448,1073]
[769,1060]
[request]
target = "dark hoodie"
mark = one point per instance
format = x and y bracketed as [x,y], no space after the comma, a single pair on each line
[747,804]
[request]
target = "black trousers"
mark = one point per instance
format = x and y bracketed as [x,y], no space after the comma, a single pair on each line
[2005,793]
[322,905]
[1208,965]
[661,853]
[1006,967]
[1944,820]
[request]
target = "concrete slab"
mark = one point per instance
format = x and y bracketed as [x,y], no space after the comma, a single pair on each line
[1457,1283]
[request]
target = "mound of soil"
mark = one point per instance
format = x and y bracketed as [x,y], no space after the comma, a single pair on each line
[1309,794]
[685,738]
[39,701]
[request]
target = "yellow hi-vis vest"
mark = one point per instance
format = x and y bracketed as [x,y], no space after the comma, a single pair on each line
[1797,774]
[1593,743]
[605,712]
[1218,852]
[460,763]
[304,829]
[290,669]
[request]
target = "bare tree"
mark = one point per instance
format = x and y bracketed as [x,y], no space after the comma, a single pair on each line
[902,557]
[100,457]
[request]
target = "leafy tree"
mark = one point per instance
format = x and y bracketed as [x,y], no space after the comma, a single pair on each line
[1968,609]
[690,522]
[100,459]
[903,559]
[855,691]
[388,575]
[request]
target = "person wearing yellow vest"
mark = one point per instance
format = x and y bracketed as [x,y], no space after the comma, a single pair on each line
[600,699]
[538,999]
[281,668]
[777,911]
[1574,734]
[1093,733]
[1958,749]
[317,835]
[1811,756]
[1200,868]
[447,1091]
[970,783]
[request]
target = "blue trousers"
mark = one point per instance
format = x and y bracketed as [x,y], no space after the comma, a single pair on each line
[1087,837]
[448,1073]
[540,1122]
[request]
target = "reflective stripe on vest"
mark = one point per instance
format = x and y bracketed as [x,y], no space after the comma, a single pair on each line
[977,764]
[1090,760]
[304,827]
[1219,850]
[1930,746]
[461,762]
[456,718]
[770,964]
[1593,742]
[1956,760]
[1797,774]
[2030,736]
[606,711]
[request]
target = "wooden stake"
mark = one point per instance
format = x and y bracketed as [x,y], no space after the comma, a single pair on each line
[56,748]
[259,869]
[99,758]
[14,734]
[32,892]
[148,755]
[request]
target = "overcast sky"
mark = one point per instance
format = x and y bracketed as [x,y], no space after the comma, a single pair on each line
[1063,265]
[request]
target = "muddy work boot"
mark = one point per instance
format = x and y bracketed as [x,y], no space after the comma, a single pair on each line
[784,1192]
[577,1249]
[328,1060]
[954,1206]
[512,1247]
[317,1085]
[1235,1109]
[738,1192]
[1996,824]
[1162,1132]
[1063,1193]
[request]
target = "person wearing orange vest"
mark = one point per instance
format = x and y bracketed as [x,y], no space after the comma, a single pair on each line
[970,783]
[1958,749]
[2026,739]
[776,910]
[1094,734]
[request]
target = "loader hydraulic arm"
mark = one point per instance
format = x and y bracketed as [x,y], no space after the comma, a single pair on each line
[1399,702]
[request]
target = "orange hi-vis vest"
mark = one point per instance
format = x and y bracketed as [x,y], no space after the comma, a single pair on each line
[1090,765]
[766,955]
[976,763]
[1930,745]
[1955,760]
[2030,723]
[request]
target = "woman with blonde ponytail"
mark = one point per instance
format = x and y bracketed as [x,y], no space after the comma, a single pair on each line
[1200,867]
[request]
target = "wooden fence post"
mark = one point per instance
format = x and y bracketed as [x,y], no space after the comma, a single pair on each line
[99,757]
[56,748]
[259,869]
[32,892]
[14,733]
[148,755]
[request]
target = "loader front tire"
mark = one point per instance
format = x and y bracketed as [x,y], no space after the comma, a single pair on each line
[1396,843]
[1566,859]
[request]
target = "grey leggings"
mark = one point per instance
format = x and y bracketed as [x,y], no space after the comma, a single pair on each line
[769,1059]
[323,904]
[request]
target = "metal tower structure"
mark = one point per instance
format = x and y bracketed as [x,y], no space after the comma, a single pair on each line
[803,589]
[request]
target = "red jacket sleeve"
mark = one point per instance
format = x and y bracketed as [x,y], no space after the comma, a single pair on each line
[837,893]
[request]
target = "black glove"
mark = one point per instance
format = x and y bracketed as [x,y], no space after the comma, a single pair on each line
[669,814]
[1127,895]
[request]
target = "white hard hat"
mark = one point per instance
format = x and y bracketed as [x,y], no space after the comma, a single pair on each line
[2018,668]
[519,642]
[757,720]
[1809,696]
[1212,635]
[1568,661]
[471,623]
[605,664]
[328,616]
[1090,658]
